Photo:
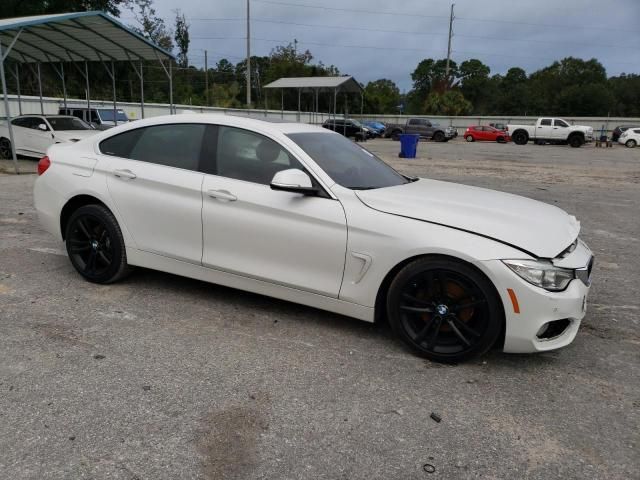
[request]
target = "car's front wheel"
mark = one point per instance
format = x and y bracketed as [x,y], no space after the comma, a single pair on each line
[438,137]
[444,310]
[95,244]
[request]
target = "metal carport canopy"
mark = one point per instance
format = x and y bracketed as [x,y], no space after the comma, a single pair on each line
[75,37]
[346,84]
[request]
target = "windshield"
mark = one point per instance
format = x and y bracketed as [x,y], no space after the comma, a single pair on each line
[107,115]
[347,163]
[67,123]
[356,123]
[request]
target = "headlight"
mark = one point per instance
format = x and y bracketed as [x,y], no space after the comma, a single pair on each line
[542,273]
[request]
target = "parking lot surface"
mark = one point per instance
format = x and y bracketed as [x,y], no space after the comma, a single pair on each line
[162,377]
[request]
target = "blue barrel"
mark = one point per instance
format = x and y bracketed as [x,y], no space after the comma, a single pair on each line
[408,145]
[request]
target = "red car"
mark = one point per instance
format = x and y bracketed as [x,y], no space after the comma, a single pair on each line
[485,134]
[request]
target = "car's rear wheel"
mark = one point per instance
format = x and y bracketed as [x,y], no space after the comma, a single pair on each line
[469,138]
[395,135]
[95,245]
[438,137]
[500,140]
[631,144]
[444,310]
[5,148]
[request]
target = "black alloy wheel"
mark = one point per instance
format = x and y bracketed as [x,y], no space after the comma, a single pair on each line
[576,141]
[5,148]
[438,137]
[520,138]
[95,245]
[444,310]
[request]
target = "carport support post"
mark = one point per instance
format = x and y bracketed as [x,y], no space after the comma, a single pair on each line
[141,91]
[282,103]
[335,106]
[86,78]
[64,85]
[16,74]
[7,112]
[298,105]
[113,86]
[170,88]
[40,89]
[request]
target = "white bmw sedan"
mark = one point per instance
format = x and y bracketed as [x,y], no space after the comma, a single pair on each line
[33,134]
[303,214]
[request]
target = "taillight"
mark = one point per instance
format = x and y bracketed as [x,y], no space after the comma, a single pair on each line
[43,164]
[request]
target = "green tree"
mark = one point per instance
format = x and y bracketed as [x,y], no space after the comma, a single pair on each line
[182,39]
[151,26]
[476,86]
[451,102]
[382,96]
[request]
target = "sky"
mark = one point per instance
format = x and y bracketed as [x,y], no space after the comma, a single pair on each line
[372,39]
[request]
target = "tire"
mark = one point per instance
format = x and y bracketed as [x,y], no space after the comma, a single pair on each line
[631,144]
[520,137]
[429,318]
[95,245]
[576,141]
[438,137]
[469,138]
[395,135]
[500,140]
[5,148]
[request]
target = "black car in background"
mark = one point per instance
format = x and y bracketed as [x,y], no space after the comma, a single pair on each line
[618,131]
[349,128]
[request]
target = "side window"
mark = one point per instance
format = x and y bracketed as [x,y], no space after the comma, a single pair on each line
[176,145]
[94,117]
[120,145]
[249,156]
[414,121]
[545,122]
[19,122]
[560,123]
[636,131]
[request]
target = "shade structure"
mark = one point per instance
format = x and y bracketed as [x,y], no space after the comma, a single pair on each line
[344,84]
[315,85]
[73,38]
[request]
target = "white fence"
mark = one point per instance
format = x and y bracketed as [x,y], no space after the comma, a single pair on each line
[31,105]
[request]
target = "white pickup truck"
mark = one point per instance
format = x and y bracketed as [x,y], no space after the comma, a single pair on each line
[552,130]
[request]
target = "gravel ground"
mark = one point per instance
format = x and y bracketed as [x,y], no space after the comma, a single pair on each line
[161,377]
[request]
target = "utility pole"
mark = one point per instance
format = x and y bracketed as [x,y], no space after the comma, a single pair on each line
[248,55]
[206,78]
[451,18]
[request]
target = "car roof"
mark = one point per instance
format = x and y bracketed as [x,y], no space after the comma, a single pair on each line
[248,122]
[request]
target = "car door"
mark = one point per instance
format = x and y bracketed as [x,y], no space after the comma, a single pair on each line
[279,237]
[20,131]
[154,182]
[544,129]
[40,140]
[559,131]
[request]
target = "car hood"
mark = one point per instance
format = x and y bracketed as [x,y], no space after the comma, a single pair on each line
[535,227]
[74,135]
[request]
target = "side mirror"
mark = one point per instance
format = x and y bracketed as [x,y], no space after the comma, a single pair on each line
[293,180]
[42,127]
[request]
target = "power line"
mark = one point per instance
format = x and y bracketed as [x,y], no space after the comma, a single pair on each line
[350,10]
[470,19]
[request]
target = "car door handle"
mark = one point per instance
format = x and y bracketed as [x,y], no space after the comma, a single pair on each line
[222,195]
[124,174]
